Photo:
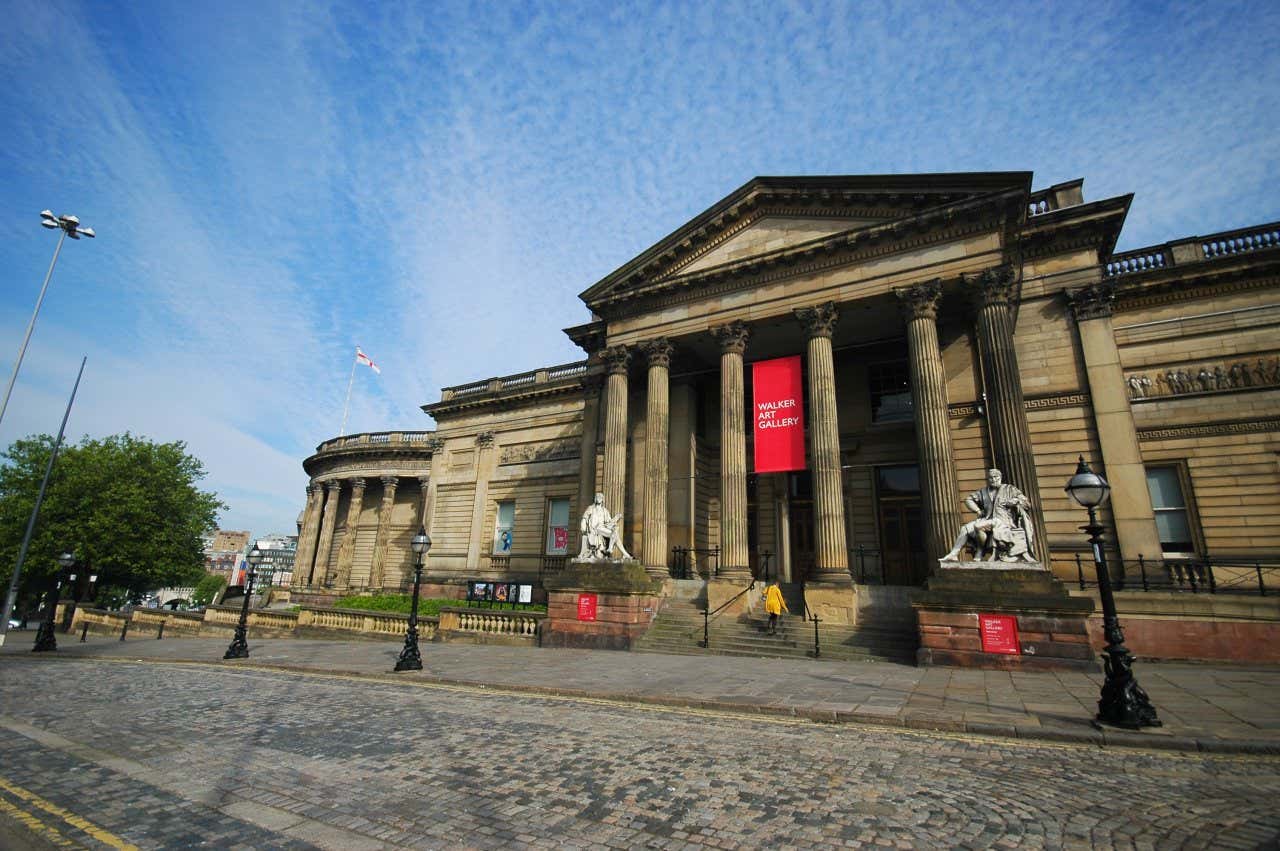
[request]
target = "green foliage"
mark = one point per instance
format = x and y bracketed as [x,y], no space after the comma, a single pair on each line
[207,588]
[430,607]
[127,507]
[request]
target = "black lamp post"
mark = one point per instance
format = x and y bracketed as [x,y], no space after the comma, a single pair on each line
[239,648]
[45,640]
[1123,702]
[410,659]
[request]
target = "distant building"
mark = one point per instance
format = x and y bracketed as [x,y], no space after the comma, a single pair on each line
[278,552]
[224,552]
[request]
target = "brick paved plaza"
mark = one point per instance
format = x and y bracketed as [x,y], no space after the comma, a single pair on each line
[161,754]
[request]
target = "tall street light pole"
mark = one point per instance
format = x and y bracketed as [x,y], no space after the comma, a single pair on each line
[410,659]
[1123,702]
[70,227]
[239,648]
[45,640]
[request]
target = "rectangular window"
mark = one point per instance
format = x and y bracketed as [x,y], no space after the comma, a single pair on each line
[1173,520]
[504,526]
[558,527]
[890,386]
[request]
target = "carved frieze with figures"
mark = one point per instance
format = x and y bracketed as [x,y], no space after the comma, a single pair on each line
[529,453]
[1204,378]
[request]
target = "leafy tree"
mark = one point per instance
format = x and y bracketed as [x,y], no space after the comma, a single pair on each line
[207,588]
[127,507]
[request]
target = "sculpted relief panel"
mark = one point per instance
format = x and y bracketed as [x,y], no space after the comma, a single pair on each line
[529,453]
[1204,378]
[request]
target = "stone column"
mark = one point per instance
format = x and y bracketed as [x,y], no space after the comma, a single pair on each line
[321,571]
[425,502]
[615,431]
[1135,521]
[1006,406]
[939,491]
[591,387]
[734,563]
[657,429]
[306,554]
[384,531]
[831,559]
[347,550]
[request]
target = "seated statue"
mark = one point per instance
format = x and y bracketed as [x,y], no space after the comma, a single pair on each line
[601,533]
[1003,530]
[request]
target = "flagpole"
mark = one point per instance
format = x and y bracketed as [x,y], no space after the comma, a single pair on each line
[347,404]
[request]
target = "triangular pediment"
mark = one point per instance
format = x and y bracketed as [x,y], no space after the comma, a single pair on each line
[768,215]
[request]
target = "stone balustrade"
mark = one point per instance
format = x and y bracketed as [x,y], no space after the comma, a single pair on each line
[376,438]
[547,375]
[1196,249]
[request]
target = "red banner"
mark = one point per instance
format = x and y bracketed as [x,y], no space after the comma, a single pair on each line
[778,411]
[999,634]
[586,607]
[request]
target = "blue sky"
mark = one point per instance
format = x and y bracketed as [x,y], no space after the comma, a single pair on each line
[275,183]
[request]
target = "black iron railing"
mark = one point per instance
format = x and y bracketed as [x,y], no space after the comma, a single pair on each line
[694,563]
[861,574]
[707,614]
[1196,576]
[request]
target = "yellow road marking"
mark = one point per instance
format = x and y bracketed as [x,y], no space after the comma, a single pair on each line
[46,832]
[104,836]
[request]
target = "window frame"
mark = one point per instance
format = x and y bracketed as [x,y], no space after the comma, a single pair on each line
[1188,508]
[498,527]
[547,539]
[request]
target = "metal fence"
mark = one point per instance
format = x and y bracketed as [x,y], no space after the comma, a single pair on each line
[694,563]
[1207,576]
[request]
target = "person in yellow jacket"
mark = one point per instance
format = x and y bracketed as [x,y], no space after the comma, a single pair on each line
[774,605]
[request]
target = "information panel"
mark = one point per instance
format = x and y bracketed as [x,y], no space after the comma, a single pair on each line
[778,412]
[999,634]
[586,607]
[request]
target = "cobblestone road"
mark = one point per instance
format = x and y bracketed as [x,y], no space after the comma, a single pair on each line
[110,754]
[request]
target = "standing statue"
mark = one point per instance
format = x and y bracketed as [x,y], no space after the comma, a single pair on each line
[1003,530]
[601,533]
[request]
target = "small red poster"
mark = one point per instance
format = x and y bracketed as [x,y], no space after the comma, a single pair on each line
[999,634]
[777,408]
[560,537]
[586,607]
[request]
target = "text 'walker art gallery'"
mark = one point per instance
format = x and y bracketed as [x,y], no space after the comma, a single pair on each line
[875,391]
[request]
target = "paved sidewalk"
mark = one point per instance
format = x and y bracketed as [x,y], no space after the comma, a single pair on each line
[1220,708]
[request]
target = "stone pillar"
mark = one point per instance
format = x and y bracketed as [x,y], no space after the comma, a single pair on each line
[425,502]
[1006,406]
[347,550]
[380,542]
[734,563]
[306,554]
[657,429]
[591,387]
[831,559]
[939,491]
[325,545]
[1135,521]
[615,431]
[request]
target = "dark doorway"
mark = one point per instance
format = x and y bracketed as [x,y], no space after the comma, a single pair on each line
[800,531]
[901,525]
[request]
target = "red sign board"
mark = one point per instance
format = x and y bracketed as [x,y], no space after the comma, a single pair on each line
[586,607]
[999,634]
[560,537]
[777,407]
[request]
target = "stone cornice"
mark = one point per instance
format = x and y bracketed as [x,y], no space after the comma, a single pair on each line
[393,455]
[1095,226]
[589,337]
[1192,282]
[925,228]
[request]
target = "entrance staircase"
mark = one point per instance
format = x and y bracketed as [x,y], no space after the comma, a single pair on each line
[677,629]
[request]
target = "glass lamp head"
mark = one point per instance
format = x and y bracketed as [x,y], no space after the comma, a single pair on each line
[1086,487]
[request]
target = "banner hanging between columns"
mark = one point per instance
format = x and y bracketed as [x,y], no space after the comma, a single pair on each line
[778,411]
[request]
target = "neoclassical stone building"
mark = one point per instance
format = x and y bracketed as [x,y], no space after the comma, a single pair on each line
[947,323]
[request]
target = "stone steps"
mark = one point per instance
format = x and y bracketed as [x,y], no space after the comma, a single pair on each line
[678,629]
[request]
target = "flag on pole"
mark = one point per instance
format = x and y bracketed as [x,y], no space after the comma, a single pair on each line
[361,357]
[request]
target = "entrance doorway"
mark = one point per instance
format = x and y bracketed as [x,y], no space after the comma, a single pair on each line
[800,531]
[902,554]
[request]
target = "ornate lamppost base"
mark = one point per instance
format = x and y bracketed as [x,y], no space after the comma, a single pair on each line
[1123,702]
[45,640]
[410,659]
[239,648]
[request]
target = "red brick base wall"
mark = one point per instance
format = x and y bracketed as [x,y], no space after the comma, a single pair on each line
[1048,642]
[620,620]
[1234,641]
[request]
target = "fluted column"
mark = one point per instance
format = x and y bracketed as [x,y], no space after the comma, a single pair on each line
[831,559]
[734,561]
[591,403]
[657,430]
[1006,406]
[383,537]
[320,573]
[347,550]
[306,553]
[615,431]
[939,491]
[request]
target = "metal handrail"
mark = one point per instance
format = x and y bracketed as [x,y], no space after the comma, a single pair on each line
[707,614]
[1195,575]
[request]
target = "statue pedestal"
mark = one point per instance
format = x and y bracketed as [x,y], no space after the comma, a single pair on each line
[1026,616]
[599,605]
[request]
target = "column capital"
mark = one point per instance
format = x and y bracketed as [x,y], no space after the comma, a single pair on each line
[390,482]
[658,352]
[424,482]
[435,444]
[484,439]
[357,483]
[732,336]
[312,487]
[920,301]
[616,359]
[993,286]
[1096,301]
[819,320]
[334,485]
